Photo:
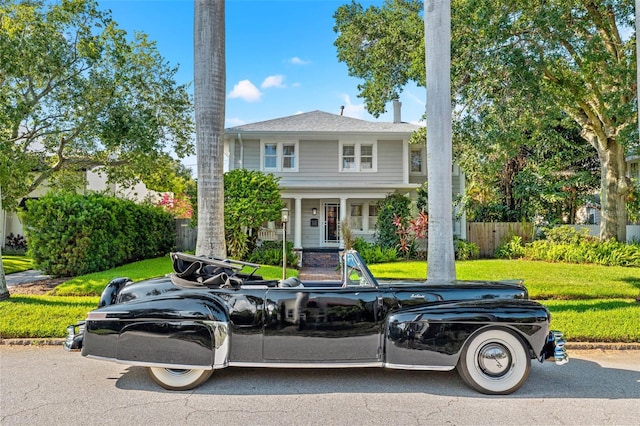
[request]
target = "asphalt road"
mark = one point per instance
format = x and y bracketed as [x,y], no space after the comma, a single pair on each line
[46,385]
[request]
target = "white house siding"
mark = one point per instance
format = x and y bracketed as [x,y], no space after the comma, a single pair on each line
[311,235]
[250,159]
[318,163]
[390,159]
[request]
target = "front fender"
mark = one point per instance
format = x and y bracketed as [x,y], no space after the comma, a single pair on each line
[434,335]
[186,331]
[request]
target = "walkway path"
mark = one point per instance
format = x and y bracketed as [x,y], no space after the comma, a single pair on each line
[319,274]
[25,277]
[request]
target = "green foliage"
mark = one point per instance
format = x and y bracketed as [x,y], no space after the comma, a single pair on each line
[564,244]
[544,93]
[373,253]
[565,235]
[392,206]
[250,199]
[270,253]
[72,234]
[78,92]
[465,250]
[511,249]
[384,46]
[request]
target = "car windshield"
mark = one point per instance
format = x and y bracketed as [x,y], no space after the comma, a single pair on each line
[356,272]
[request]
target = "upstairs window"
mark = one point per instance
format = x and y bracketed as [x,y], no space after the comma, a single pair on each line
[348,157]
[270,156]
[417,161]
[279,156]
[288,156]
[358,157]
[366,157]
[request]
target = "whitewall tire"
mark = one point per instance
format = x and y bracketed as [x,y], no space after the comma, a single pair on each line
[177,379]
[495,362]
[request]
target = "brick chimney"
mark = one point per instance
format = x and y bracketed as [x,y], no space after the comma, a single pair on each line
[397,116]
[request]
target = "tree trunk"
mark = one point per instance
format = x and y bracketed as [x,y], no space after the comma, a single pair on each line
[614,189]
[209,97]
[440,257]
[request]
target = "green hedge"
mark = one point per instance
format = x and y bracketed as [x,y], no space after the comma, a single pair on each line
[270,253]
[71,234]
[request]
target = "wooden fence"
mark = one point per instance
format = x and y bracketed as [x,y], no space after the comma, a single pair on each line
[491,235]
[185,235]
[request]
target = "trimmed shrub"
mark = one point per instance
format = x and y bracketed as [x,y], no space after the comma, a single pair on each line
[373,253]
[270,253]
[465,250]
[71,234]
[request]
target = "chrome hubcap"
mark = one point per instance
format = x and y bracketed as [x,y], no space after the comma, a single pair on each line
[494,359]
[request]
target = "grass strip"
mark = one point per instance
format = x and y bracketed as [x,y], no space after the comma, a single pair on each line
[598,320]
[42,316]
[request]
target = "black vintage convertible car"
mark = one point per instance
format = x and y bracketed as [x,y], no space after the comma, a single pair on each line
[214,313]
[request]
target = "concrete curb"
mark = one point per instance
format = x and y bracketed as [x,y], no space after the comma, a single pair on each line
[570,345]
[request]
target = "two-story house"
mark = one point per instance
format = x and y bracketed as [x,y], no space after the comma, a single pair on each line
[333,168]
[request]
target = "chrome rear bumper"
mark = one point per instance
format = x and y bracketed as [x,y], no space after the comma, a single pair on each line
[75,333]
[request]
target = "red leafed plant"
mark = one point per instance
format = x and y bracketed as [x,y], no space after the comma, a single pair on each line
[417,228]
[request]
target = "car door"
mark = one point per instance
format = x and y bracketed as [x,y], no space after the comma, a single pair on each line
[306,324]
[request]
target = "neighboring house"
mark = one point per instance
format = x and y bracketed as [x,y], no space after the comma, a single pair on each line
[95,182]
[332,168]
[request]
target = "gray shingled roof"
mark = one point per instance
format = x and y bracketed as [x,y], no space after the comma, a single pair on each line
[319,121]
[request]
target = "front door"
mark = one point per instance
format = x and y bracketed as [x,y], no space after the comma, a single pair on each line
[322,324]
[331,223]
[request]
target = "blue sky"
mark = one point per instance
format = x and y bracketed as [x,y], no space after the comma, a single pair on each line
[280,56]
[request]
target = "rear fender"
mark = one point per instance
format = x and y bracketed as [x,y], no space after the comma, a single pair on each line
[190,331]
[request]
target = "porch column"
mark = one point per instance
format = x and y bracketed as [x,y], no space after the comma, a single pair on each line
[343,216]
[297,232]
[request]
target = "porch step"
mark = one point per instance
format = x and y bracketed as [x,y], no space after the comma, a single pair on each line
[320,258]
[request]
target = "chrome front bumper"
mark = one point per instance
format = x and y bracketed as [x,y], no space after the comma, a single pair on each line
[554,348]
[75,333]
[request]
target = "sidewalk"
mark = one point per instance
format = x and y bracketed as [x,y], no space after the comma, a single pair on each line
[25,277]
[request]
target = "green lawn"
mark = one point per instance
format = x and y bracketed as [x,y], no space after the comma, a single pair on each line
[581,298]
[543,280]
[14,264]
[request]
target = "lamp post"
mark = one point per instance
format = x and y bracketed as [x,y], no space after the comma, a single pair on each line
[284,218]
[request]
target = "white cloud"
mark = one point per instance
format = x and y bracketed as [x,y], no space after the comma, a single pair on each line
[245,90]
[233,122]
[273,81]
[297,61]
[353,110]
[296,84]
